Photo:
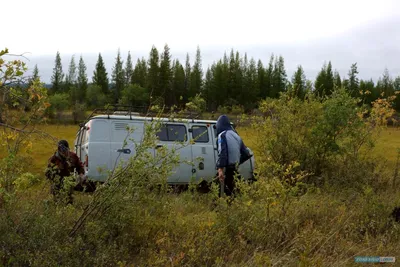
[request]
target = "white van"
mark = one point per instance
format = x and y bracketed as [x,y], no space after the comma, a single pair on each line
[99,145]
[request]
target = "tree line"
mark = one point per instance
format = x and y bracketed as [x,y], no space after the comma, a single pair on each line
[233,80]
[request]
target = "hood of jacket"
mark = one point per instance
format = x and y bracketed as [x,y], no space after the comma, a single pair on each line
[223,124]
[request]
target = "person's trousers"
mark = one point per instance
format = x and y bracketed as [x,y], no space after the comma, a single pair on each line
[229,181]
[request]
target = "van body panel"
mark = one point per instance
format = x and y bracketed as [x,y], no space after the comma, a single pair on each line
[203,154]
[182,173]
[98,150]
[124,135]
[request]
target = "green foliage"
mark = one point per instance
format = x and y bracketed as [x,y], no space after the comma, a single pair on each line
[82,82]
[21,108]
[95,96]
[11,168]
[153,73]
[135,95]
[279,79]
[299,83]
[196,104]
[128,69]
[321,136]
[353,82]
[385,84]
[118,77]
[188,73]
[178,84]
[140,73]
[100,75]
[196,78]
[324,83]
[78,112]
[57,78]
[25,181]
[135,218]
[35,75]
[59,102]
[165,78]
[70,78]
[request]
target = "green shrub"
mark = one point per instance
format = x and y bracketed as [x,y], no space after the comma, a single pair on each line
[325,136]
[279,220]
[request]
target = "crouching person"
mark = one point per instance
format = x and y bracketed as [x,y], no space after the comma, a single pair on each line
[231,153]
[61,165]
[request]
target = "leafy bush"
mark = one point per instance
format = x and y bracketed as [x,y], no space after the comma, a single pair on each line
[78,112]
[196,104]
[134,95]
[95,96]
[59,102]
[324,137]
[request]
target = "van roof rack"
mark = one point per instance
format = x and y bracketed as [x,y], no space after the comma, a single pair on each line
[143,111]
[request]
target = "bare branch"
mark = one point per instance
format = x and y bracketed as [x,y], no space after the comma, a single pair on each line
[20,55]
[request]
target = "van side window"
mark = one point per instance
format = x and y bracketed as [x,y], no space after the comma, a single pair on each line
[172,132]
[215,130]
[200,134]
[85,137]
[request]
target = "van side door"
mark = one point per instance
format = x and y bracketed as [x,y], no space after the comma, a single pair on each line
[203,155]
[175,135]
[124,134]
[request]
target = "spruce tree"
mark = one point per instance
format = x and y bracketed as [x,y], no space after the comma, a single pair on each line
[329,84]
[232,92]
[251,85]
[396,85]
[279,79]
[385,84]
[166,77]
[353,82]
[128,69]
[320,82]
[70,79]
[82,82]
[178,83]
[118,77]
[35,73]
[58,75]
[153,73]
[268,83]
[188,73]
[140,73]
[196,81]
[370,92]
[262,88]
[100,75]
[208,89]
[324,83]
[337,81]
[299,82]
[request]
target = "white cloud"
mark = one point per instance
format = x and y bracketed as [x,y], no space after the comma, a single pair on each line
[78,26]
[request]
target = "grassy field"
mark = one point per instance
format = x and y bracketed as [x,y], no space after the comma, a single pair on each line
[42,149]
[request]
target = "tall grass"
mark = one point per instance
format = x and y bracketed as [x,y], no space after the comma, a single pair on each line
[288,217]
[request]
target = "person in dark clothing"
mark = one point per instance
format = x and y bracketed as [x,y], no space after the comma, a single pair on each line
[231,153]
[62,164]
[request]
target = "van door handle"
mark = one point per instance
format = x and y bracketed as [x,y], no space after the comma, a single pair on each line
[125,151]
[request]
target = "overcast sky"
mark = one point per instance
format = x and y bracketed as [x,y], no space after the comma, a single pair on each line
[306,32]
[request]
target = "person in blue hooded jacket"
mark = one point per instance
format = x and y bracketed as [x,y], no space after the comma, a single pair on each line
[231,153]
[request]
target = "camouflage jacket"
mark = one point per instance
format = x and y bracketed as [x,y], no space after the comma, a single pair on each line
[58,166]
